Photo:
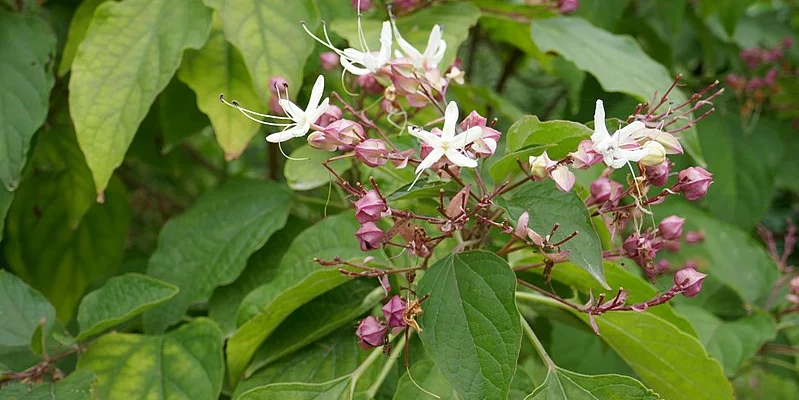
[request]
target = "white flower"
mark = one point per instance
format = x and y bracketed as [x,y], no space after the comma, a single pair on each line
[620,148]
[448,144]
[301,120]
[432,55]
[364,61]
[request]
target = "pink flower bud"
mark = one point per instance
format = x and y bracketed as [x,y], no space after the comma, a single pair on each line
[403,6]
[371,332]
[370,237]
[362,4]
[771,77]
[323,141]
[694,237]
[563,177]
[694,182]
[370,207]
[631,245]
[586,156]
[752,57]
[787,42]
[604,190]
[671,227]
[371,152]
[346,131]
[735,81]
[329,60]
[568,6]
[278,84]
[369,84]
[754,84]
[473,119]
[689,280]
[332,114]
[539,165]
[773,55]
[662,266]
[393,311]
[658,175]
[274,106]
[521,225]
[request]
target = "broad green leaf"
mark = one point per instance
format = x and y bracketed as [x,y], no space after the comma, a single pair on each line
[271,40]
[731,342]
[580,350]
[6,198]
[602,13]
[617,62]
[186,363]
[130,53]
[218,68]
[208,245]
[508,165]
[561,384]
[54,258]
[529,130]
[428,377]
[332,390]
[744,166]
[77,32]
[77,386]
[456,17]
[120,299]
[22,310]
[472,304]
[307,171]
[178,114]
[761,383]
[298,280]
[318,318]
[548,206]
[27,49]
[727,253]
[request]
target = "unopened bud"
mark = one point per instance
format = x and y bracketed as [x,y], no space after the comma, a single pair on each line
[539,165]
[370,237]
[361,5]
[585,156]
[329,60]
[369,84]
[473,119]
[563,177]
[568,6]
[658,175]
[332,114]
[371,152]
[370,207]
[393,311]
[371,332]
[689,280]
[694,182]
[694,237]
[654,154]
[671,227]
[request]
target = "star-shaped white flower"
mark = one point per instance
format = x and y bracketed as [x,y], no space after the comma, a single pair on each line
[433,54]
[620,148]
[301,120]
[448,144]
[364,61]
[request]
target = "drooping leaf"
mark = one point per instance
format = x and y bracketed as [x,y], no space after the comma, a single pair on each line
[456,17]
[338,389]
[307,171]
[77,32]
[298,280]
[617,62]
[120,299]
[218,68]
[561,384]
[269,35]
[208,245]
[27,49]
[178,114]
[548,206]
[472,304]
[428,377]
[77,386]
[731,342]
[130,53]
[56,259]
[183,364]
[22,310]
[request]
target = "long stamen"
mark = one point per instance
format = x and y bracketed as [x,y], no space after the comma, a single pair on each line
[235,104]
[344,85]
[247,112]
[328,44]
[280,147]
[361,36]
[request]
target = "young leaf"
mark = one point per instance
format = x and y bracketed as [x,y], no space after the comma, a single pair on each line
[208,245]
[561,384]
[332,390]
[27,46]
[136,46]
[120,299]
[185,363]
[77,32]
[269,35]
[549,206]
[472,305]
[309,173]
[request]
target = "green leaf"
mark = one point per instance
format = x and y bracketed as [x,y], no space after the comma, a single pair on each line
[508,165]
[561,384]
[744,166]
[581,350]
[332,390]
[762,382]
[22,310]
[457,17]
[76,386]
[6,198]
[548,206]
[208,245]
[318,318]
[297,280]
[269,35]
[731,342]
[183,364]
[56,259]
[178,114]
[472,304]
[77,32]
[307,172]
[218,68]
[617,62]
[727,253]
[426,375]
[27,49]
[130,53]
[120,299]
[529,130]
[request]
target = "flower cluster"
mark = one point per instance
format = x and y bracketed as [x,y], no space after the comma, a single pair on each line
[373,332]
[760,81]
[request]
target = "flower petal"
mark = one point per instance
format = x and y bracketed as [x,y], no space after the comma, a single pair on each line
[600,130]
[425,136]
[431,159]
[463,139]
[406,47]
[284,135]
[450,120]
[316,94]
[385,44]
[433,43]
[459,159]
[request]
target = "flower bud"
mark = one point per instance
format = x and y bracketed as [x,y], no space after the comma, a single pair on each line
[630,245]
[773,55]
[346,131]
[563,177]
[371,152]
[654,154]
[473,119]
[666,139]
[671,227]
[369,84]
[735,81]
[604,190]
[662,266]
[403,6]
[658,175]
[787,42]
[689,280]
[586,156]
[694,237]
[332,114]
[521,225]
[370,207]
[278,84]
[694,182]
[539,165]
[323,141]
[568,6]
[361,5]
[752,57]
[771,77]
[456,75]
[329,60]
[370,237]
[393,311]
[371,332]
